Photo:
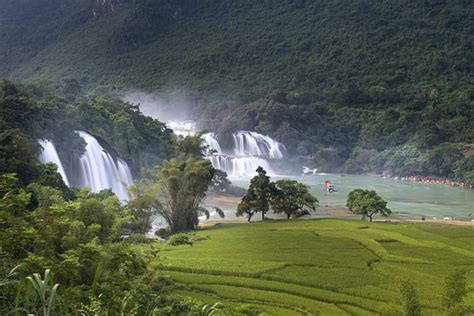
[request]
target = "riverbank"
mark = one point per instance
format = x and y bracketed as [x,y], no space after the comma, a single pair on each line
[407,200]
[461,183]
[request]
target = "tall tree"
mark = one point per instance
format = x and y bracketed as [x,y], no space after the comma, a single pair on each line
[293,198]
[220,182]
[192,147]
[247,206]
[258,196]
[143,205]
[367,203]
[181,187]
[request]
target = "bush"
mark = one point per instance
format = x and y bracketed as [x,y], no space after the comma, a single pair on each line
[180,239]
[137,239]
[162,232]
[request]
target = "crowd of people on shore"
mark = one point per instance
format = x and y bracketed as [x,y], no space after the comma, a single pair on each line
[435,180]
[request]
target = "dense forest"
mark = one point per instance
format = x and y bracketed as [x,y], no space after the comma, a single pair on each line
[66,250]
[29,113]
[355,87]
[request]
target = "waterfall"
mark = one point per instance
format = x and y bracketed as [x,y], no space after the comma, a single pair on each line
[182,128]
[49,154]
[211,141]
[98,170]
[255,144]
[250,150]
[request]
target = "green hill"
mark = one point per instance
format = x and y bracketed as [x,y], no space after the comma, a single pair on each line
[335,80]
[253,49]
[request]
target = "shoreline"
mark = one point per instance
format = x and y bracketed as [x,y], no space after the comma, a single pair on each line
[229,203]
[216,222]
[451,182]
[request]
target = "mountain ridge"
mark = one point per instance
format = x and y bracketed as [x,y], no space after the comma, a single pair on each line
[336,80]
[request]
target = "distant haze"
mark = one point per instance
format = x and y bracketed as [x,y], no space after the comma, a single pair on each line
[168,108]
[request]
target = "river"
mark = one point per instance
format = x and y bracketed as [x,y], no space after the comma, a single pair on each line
[405,199]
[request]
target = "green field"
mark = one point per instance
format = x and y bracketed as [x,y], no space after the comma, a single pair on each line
[328,267]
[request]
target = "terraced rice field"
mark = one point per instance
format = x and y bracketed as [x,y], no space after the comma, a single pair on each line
[327,267]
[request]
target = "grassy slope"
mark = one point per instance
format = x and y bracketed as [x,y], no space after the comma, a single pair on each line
[327,266]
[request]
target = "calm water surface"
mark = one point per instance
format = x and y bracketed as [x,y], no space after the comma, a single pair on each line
[404,198]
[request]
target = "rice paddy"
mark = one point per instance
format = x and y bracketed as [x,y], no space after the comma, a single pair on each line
[327,267]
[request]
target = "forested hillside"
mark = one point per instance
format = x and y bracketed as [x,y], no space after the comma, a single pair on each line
[353,84]
[29,113]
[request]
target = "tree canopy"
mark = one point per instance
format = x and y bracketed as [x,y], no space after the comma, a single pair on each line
[283,196]
[258,196]
[367,203]
[181,186]
[293,198]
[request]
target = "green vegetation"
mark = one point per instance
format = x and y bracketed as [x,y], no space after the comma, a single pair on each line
[29,113]
[411,306]
[367,203]
[358,86]
[258,196]
[293,199]
[80,238]
[324,266]
[455,291]
[284,196]
[179,187]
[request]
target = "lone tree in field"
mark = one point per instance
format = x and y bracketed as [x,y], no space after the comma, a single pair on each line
[367,203]
[258,196]
[293,199]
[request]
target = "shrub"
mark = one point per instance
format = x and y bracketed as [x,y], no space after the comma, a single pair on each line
[180,239]
[137,239]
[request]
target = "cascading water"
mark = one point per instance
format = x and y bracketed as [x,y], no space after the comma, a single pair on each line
[96,167]
[250,150]
[255,144]
[98,170]
[49,154]
[182,128]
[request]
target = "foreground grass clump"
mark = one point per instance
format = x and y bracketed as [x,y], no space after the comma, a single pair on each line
[321,266]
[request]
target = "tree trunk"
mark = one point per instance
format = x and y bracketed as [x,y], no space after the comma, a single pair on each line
[249,217]
[263,215]
[288,216]
[370,217]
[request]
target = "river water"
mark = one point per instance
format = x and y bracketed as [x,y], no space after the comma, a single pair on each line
[405,199]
